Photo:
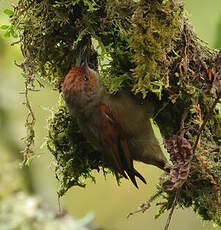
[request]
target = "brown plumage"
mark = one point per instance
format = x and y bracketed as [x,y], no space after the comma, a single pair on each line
[116,125]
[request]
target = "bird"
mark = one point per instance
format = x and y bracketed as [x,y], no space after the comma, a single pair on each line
[116,125]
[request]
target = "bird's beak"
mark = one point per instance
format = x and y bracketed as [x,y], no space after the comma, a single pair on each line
[84,63]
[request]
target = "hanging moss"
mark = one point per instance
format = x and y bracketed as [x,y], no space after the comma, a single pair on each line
[150,48]
[75,158]
[52,33]
[156,29]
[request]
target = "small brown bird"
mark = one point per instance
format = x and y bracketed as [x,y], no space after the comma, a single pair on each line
[116,125]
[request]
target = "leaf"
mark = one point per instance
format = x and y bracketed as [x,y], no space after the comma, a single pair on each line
[9,12]
[4,27]
[7,34]
[14,34]
[92,6]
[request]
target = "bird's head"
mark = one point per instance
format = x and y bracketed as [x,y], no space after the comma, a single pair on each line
[80,81]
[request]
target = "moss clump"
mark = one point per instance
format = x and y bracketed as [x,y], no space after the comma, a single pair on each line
[202,190]
[75,158]
[153,51]
[115,41]
[52,33]
[50,29]
[156,29]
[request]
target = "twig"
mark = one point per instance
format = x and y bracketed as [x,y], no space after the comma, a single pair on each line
[205,121]
[160,110]
[30,119]
[172,209]
[15,43]
[182,123]
[193,151]
[29,123]
[146,205]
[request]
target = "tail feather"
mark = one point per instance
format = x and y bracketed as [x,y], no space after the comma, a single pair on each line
[132,173]
[139,176]
[132,177]
[128,164]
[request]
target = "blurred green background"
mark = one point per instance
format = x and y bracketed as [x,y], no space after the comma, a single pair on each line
[109,202]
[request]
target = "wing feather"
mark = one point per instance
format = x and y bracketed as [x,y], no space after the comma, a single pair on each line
[116,144]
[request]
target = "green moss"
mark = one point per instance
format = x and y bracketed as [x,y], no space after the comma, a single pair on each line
[156,28]
[153,51]
[75,158]
[202,190]
[52,34]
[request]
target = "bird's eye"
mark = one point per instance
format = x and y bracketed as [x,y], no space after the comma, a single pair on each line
[86,78]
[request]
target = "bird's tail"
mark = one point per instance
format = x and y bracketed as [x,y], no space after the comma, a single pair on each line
[132,174]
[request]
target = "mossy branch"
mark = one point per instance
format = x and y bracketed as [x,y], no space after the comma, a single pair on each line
[150,48]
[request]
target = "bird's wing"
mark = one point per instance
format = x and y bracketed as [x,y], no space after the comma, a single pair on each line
[116,145]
